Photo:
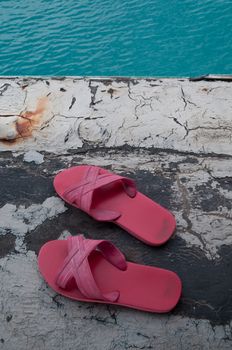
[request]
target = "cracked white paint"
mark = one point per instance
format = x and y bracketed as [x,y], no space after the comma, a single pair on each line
[209,230]
[34,316]
[168,114]
[8,128]
[33,156]
[20,221]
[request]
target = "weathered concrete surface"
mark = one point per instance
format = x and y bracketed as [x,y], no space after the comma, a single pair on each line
[132,127]
[63,114]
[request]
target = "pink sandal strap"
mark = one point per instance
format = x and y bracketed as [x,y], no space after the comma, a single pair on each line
[76,265]
[82,193]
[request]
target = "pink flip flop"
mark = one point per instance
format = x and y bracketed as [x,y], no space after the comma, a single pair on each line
[96,271]
[109,197]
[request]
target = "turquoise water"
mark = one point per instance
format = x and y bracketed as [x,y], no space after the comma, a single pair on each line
[120,37]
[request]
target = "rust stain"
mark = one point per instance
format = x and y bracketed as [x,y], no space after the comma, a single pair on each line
[27,121]
[112,92]
[30,119]
[7,142]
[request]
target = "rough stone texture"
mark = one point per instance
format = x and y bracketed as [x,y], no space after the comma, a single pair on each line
[174,138]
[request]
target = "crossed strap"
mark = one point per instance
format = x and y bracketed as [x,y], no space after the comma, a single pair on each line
[82,192]
[76,265]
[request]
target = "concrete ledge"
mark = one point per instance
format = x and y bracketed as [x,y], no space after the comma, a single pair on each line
[174,137]
[58,115]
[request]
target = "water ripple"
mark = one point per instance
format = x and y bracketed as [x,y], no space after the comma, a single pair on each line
[102,37]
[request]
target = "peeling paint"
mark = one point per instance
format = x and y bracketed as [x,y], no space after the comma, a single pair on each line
[173,137]
[33,156]
[20,221]
[14,128]
[31,119]
[164,114]
[33,315]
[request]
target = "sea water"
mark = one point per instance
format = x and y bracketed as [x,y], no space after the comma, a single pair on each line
[115,37]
